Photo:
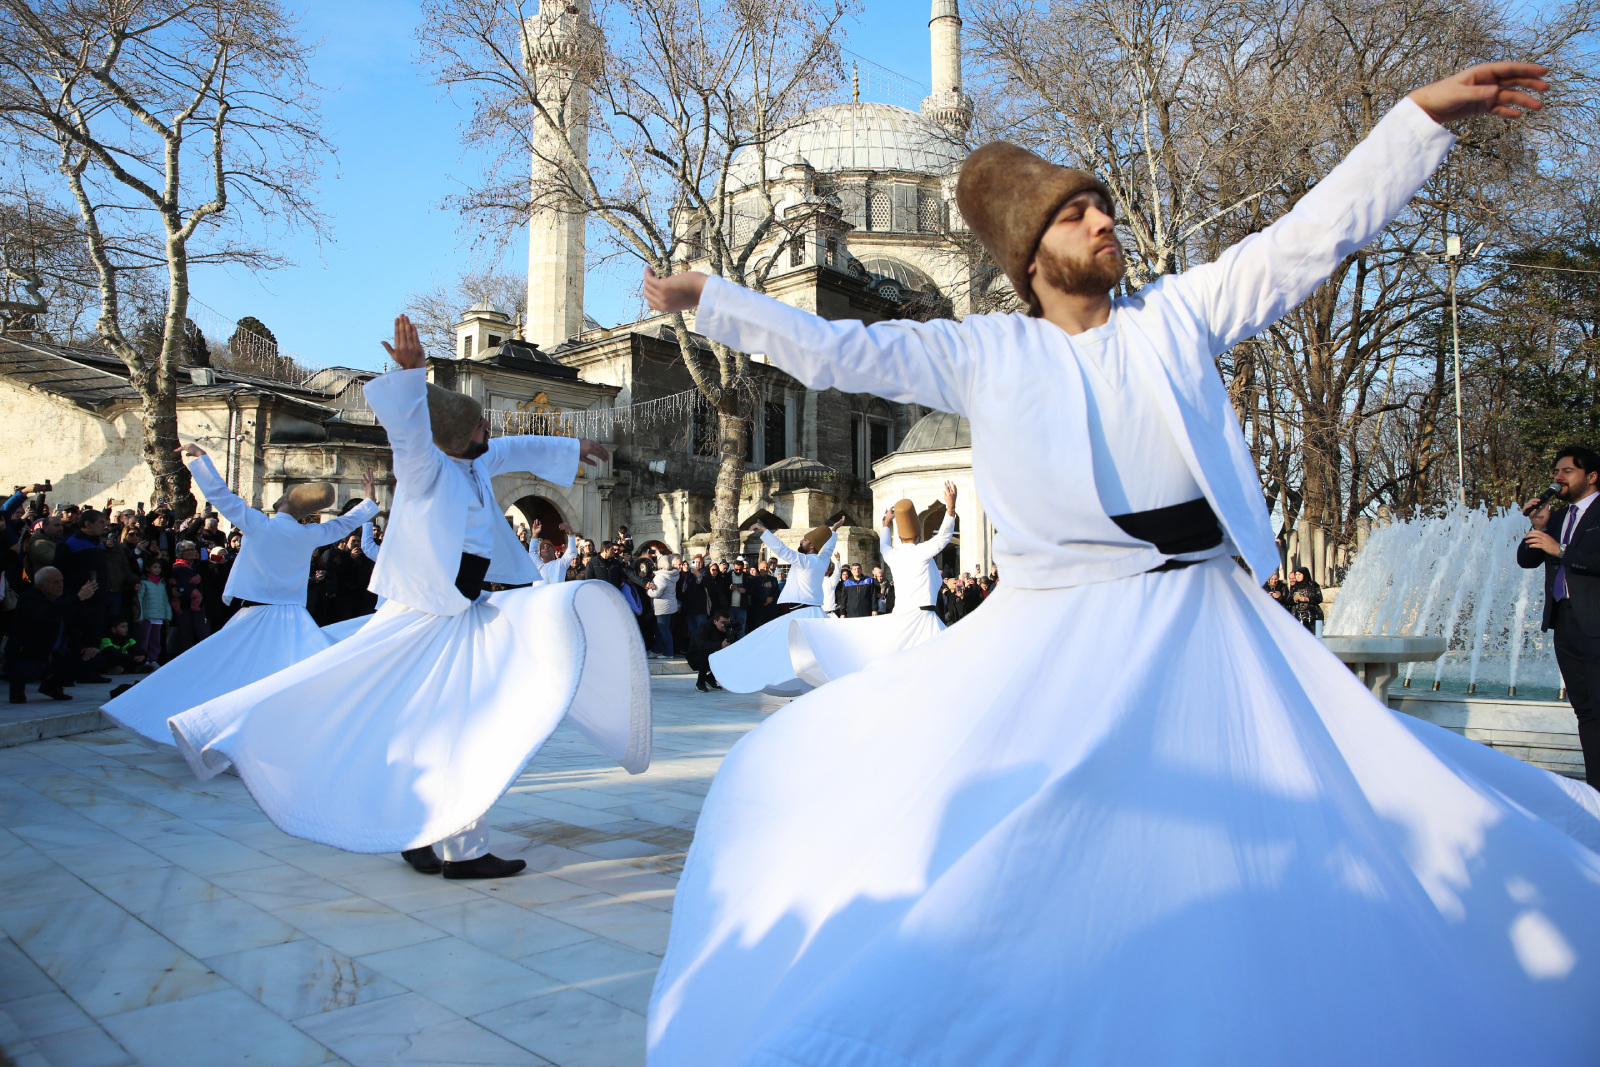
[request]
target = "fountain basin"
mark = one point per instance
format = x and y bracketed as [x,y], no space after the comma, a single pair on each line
[1376,660]
[1541,732]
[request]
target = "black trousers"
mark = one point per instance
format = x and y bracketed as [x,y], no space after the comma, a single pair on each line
[701,661]
[1578,656]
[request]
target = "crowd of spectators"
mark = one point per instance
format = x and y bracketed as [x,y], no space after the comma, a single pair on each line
[1300,595]
[91,591]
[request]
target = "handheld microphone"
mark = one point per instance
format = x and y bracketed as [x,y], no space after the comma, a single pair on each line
[1544,498]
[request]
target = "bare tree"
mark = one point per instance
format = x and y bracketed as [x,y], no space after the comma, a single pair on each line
[169,125]
[667,149]
[436,311]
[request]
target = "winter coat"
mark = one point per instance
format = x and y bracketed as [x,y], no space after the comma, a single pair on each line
[665,590]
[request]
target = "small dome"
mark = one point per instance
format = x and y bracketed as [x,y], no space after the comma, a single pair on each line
[937,430]
[858,136]
[487,307]
[908,276]
[798,468]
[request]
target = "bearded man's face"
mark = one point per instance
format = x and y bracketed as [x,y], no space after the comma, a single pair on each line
[1079,254]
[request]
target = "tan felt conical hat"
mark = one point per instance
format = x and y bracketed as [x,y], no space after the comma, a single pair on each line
[307,499]
[453,417]
[905,520]
[1008,196]
[819,537]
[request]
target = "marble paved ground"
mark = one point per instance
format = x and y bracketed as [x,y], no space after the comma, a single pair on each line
[153,919]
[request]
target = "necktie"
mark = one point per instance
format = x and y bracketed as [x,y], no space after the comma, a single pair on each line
[1561,569]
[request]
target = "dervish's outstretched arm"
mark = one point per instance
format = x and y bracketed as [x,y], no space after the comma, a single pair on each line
[914,362]
[400,401]
[244,518]
[369,541]
[338,529]
[777,547]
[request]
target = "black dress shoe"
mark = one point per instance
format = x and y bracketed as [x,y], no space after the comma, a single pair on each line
[703,687]
[424,860]
[714,685]
[123,688]
[485,866]
[53,692]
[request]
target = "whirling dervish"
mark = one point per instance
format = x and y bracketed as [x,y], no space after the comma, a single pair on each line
[1163,824]
[272,628]
[822,650]
[403,735]
[552,564]
[759,661]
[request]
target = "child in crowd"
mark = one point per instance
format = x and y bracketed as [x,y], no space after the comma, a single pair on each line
[154,610]
[122,649]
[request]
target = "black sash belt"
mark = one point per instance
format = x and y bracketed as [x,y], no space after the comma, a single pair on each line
[1188,527]
[242,604]
[928,607]
[469,578]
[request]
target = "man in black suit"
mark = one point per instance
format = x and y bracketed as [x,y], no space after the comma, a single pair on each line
[1571,559]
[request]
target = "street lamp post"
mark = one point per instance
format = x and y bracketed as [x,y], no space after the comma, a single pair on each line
[1452,255]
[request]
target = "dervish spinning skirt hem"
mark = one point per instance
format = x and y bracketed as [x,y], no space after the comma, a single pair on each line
[410,729]
[1162,824]
[258,641]
[759,661]
[822,650]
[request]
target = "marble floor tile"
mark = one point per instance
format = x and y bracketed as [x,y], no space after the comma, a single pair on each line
[85,1046]
[20,977]
[356,926]
[403,889]
[214,927]
[501,927]
[217,857]
[416,1032]
[77,833]
[330,862]
[531,890]
[28,877]
[304,977]
[572,1028]
[621,975]
[628,923]
[282,886]
[106,859]
[47,1013]
[225,1027]
[142,891]
[105,959]
[459,976]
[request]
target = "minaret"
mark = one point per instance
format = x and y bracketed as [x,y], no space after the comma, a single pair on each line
[948,105]
[562,49]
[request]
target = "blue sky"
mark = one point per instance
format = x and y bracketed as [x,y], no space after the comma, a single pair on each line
[399,157]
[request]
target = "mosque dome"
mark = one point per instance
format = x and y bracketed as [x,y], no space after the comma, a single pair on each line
[937,430]
[855,137]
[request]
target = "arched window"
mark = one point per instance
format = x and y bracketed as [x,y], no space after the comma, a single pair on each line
[879,209]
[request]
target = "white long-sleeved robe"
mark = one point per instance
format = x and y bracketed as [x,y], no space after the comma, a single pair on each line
[824,650]
[405,733]
[556,569]
[1120,815]
[271,569]
[760,660]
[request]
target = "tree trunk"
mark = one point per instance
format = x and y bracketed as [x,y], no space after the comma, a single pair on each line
[160,419]
[732,436]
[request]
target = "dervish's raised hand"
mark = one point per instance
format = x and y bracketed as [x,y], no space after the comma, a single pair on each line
[888,516]
[534,527]
[1486,89]
[564,528]
[950,497]
[369,484]
[592,452]
[757,529]
[675,292]
[838,523]
[407,349]
[192,450]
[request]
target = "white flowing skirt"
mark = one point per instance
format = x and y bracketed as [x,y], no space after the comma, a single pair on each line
[411,728]
[1142,822]
[822,650]
[256,642]
[338,631]
[759,661]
